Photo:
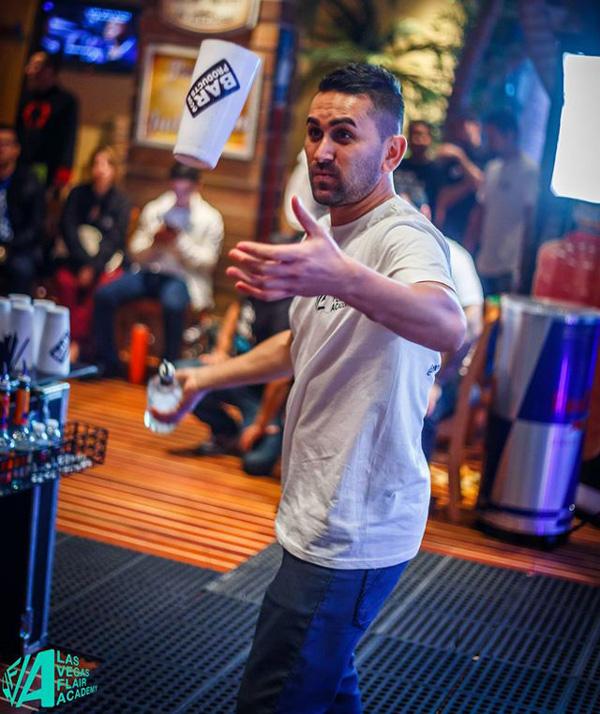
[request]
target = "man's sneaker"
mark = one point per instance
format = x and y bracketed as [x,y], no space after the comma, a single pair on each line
[218,446]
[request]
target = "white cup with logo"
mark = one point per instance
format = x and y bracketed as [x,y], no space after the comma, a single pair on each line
[40,308]
[221,82]
[21,325]
[54,355]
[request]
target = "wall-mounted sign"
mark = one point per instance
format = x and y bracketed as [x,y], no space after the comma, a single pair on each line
[209,16]
[167,73]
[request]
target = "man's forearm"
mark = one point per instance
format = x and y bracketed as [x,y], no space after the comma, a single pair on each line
[425,313]
[267,361]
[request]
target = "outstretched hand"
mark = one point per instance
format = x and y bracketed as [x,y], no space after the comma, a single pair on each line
[271,272]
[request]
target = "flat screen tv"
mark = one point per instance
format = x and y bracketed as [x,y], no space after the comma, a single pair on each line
[90,35]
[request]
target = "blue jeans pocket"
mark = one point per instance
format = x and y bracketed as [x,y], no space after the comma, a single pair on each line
[377,584]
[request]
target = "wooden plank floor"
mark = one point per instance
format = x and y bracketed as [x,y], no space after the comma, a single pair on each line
[206,511]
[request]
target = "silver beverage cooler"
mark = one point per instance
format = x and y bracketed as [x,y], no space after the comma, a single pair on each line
[543,372]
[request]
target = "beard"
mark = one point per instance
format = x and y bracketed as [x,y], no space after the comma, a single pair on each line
[330,188]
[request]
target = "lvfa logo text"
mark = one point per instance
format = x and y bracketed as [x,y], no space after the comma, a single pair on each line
[218,82]
[50,677]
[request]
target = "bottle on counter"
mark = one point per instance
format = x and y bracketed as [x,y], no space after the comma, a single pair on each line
[163,395]
[22,435]
[42,466]
[6,442]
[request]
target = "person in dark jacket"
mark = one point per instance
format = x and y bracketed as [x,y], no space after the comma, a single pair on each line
[47,121]
[93,228]
[21,217]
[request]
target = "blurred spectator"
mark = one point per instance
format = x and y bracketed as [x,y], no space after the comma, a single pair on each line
[442,399]
[21,217]
[419,172]
[500,225]
[47,121]
[258,438]
[461,160]
[176,247]
[93,227]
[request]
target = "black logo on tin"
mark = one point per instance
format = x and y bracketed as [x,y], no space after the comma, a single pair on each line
[218,82]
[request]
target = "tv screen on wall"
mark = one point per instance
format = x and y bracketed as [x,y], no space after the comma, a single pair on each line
[90,35]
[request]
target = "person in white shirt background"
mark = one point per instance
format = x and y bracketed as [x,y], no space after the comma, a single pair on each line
[174,251]
[500,224]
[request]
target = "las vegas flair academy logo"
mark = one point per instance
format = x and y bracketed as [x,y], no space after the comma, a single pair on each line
[49,678]
[218,82]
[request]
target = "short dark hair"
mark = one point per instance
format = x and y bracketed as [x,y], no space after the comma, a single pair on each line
[379,84]
[181,171]
[504,120]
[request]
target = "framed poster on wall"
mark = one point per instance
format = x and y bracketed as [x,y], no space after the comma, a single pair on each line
[166,77]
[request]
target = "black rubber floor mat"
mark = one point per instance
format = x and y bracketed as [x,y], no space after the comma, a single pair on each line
[454,636]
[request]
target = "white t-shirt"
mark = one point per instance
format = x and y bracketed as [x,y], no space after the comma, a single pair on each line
[509,188]
[197,245]
[355,486]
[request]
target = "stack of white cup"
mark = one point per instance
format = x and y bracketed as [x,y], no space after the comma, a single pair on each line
[43,328]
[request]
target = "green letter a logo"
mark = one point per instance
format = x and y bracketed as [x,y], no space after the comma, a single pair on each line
[19,693]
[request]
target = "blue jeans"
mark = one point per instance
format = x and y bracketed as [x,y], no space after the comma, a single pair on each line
[311,620]
[261,459]
[170,291]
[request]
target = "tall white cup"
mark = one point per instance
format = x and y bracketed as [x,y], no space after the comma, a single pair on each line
[40,308]
[53,356]
[222,79]
[4,317]
[21,325]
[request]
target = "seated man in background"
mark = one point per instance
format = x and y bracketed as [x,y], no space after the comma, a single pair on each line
[443,395]
[175,248]
[259,437]
[93,228]
[21,217]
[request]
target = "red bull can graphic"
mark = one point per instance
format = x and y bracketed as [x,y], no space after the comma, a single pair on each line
[543,371]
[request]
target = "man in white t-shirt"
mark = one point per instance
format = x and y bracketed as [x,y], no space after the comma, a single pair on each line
[374,305]
[501,223]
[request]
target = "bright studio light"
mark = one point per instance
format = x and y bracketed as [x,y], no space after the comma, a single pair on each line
[577,164]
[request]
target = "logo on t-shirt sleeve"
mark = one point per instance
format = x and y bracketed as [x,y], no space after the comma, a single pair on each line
[218,82]
[433,369]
